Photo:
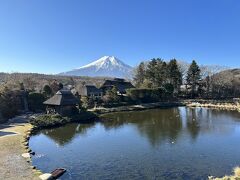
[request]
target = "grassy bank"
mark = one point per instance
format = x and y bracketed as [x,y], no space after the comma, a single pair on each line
[139,107]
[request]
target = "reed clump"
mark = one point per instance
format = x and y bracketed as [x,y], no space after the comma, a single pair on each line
[234,176]
[216,105]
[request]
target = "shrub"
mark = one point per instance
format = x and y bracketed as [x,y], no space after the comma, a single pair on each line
[8,104]
[47,91]
[111,96]
[146,95]
[35,102]
[49,120]
[87,102]
[169,89]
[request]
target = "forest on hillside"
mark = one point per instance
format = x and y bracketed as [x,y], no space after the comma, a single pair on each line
[36,82]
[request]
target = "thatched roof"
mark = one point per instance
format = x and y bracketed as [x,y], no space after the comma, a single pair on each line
[89,90]
[62,98]
[120,84]
[92,89]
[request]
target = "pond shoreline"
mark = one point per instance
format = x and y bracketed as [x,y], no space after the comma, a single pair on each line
[211,104]
[138,107]
[27,129]
[14,137]
[214,104]
[138,115]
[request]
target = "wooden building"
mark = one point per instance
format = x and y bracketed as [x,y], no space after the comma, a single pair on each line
[63,102]
[91,91]
[120,84]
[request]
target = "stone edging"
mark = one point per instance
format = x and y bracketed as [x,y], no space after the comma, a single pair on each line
[28,151]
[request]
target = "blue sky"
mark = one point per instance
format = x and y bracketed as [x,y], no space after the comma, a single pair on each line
[51,36]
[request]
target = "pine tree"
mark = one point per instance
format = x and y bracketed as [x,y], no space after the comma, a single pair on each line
[151,72]
[156,72]
[160,73]
[193,77]
[140,75]
[47,90]
[174,74]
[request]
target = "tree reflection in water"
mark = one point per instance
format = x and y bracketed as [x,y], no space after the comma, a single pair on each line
[168,124]
[158,126]
[65,134]
[155,144]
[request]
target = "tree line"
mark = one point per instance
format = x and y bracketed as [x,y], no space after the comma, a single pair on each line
[192,81]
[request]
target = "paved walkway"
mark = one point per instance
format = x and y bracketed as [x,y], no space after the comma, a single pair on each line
[12,165]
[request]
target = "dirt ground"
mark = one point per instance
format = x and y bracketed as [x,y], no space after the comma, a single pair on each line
[12,165]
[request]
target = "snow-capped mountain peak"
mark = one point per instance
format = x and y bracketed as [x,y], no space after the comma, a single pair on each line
[105,66]
[105,62]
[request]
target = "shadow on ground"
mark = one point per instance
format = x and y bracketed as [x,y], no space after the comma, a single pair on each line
[2,133]
[19,120]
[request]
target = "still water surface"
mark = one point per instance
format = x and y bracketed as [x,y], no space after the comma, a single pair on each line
[175,143]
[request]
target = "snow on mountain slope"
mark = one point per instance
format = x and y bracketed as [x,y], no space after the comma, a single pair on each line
[107,66]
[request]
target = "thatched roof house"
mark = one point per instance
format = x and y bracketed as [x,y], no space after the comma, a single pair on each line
[120,84]
[63,102]
[91,91]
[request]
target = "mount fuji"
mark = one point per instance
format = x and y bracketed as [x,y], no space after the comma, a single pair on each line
[107,66]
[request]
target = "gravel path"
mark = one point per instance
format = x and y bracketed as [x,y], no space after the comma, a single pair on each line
[12,165]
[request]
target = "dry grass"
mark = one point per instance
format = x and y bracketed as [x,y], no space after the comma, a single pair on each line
[235,176]
[12,164]
[226,106]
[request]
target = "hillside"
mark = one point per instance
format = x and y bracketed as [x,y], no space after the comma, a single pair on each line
[230,75]
[37,81]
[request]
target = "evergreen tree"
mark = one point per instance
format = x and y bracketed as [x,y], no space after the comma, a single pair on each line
[60,86]
[156,72]
[47,90]
[193,77]
[174,75]
[151,72]
[140,75]
[160,72]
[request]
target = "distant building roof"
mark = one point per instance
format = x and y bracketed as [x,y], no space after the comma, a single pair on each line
[120,84]
[87,90]
[62,98]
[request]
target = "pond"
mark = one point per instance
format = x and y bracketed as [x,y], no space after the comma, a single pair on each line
[174,143]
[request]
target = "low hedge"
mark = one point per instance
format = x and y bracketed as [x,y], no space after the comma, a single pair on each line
[50,120]
[146,95]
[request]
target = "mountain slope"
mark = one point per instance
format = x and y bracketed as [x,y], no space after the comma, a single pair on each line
[107,66]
